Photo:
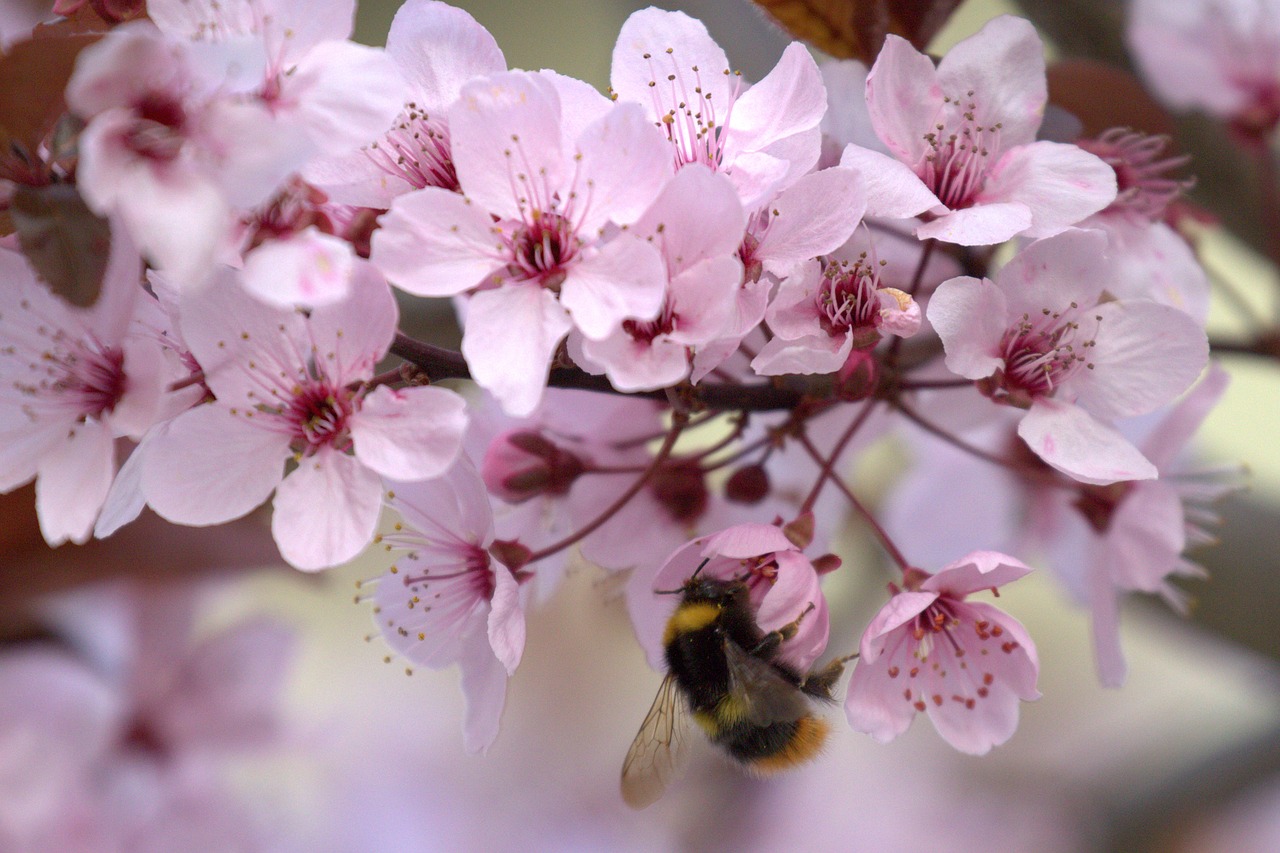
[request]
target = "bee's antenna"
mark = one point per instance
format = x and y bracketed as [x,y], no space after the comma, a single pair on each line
[691,577]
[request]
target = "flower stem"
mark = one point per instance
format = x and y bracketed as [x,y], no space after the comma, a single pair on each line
[829,465]
[679,420]
[885,540]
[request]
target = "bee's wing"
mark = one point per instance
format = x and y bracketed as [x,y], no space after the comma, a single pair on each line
[764,695]
[659,750]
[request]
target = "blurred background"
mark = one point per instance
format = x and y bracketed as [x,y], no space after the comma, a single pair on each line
[1186,757]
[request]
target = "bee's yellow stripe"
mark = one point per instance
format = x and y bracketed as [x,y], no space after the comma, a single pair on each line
[690,617]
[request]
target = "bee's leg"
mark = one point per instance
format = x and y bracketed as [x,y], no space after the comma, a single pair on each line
[775,638]
[820,681]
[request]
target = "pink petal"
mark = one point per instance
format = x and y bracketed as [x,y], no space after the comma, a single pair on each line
[626,278]
[411,433]
[904,98]
[344,94]
[347,339]
[510,336]
[188,484]
[1072,267]
[439,48]
[813,216]
[326,510]
[790,99]
[811,354]
[1073,441]
[898,611]
[697,215]
[626,161]
[434,242]
[977,571]
[846,120]
[794,590]
[506,619]
[1104,606]
[969,315]
[969,713]
[310,268]
[636,365]
[746,540]
[1152,261]
[1060,184]
[981,225]
[484,684]
[653,44]
[1003,66]
[125,500]
[875,703]
[1145,355]
[1174,432]
[73,479]
[505,127]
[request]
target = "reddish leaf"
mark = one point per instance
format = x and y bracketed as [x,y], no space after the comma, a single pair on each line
[34,74]
[855,29]
[66,242]
[1074,85]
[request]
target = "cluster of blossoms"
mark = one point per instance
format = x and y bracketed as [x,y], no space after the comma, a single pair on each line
[693,275]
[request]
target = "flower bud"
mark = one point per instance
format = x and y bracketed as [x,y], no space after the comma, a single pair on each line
[858,377]
[748,485]
[522,464]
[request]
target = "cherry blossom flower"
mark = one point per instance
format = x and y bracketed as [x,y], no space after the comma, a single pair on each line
[963,135]
[291,386]
[437,48]
[782,585]
[71,382]
[1038,339]
[820,317]
[449,599]
[1151,260]
[121,749]
[549,263]
[967,664]
[698,223]
[166,153]
[1130,536]
[327,94]
[763,138]
[1220,56]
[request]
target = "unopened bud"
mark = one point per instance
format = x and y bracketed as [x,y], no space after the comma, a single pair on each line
[521,464]
[827,563]
[681,488]
[858,376]
[748,485]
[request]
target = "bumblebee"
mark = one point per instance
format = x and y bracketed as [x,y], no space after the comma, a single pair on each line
[724,672]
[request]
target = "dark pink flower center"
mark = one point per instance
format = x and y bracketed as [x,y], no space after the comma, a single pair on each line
[417,149]
[542,248]
[319,416]
[1040,353]
[646,330]
[158,131]
[955,165]
[473,574]
[847,302]
[1144,187]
